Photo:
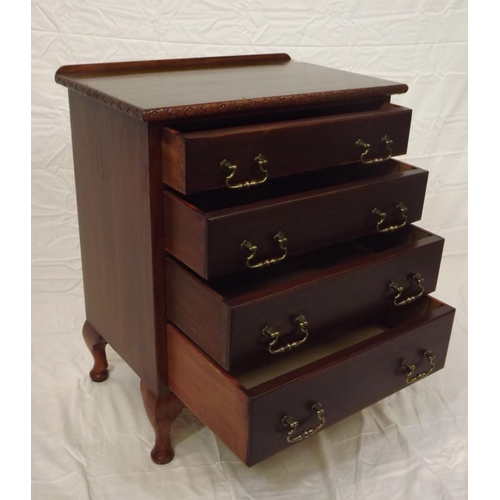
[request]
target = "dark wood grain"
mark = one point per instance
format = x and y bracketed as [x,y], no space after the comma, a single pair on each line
[192,161]
[329,287]
[313,211]
[118,219]
[249,421]
[161,411]
[97,347]
[214,86]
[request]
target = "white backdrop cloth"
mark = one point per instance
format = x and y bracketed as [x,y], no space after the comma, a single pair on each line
[92,441]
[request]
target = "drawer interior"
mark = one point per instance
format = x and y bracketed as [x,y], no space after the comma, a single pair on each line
[211,201]
[376,243]
[316,262]
[354,337]
[257,117]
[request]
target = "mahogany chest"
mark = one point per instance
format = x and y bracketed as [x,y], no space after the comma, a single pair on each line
[248,244]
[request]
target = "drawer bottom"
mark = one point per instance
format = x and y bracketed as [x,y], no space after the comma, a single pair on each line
[260,412]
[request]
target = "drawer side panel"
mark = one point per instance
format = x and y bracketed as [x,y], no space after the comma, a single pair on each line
[185,233]
[174,159]
[193,307]
[212,395]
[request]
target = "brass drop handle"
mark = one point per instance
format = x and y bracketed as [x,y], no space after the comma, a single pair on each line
[292,424]
[399,289]
[386,142]
[403,211]
[410,378]
[272,334]
[252,250]
[230,170]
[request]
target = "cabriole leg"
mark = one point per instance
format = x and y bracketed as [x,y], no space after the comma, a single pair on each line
[97,347]
[161,411]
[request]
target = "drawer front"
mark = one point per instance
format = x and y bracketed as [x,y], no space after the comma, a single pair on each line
[192,161]
[210,242]
[230,325]
[250,421]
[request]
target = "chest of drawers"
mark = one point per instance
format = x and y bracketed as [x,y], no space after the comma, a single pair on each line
[247,243]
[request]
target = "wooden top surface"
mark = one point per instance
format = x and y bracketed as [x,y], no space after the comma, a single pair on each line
[180,88]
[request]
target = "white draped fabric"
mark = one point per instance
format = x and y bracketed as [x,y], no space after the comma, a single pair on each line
[92,441]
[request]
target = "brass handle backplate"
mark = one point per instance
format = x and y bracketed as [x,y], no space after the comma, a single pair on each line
[272,334]
[403,211]
[252,249]
[400,290]
[230,170]
[385,142]
[292,424]
[410,378]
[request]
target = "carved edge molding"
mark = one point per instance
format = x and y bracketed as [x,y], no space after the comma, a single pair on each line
[100,96]
[217,108]
[268,102]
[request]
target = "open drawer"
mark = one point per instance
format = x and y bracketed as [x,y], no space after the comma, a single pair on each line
[261,412]
[213,232]
[247,156]
[251,318]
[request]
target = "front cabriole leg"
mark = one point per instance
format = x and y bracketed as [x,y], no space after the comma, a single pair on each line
[97,347]
[161,411]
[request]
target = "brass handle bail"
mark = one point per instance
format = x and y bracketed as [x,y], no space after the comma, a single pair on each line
[385,142]
[252,249]
[403,212]
[271,333]
[410,379]
[399,289]
[230,170]
[292,424]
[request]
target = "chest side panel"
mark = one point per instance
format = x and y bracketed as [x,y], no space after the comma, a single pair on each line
[113,184]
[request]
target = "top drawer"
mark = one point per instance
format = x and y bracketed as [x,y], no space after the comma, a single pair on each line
[246,156]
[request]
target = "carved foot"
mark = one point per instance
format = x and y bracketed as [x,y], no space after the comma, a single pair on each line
[97,346]
[161,411]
